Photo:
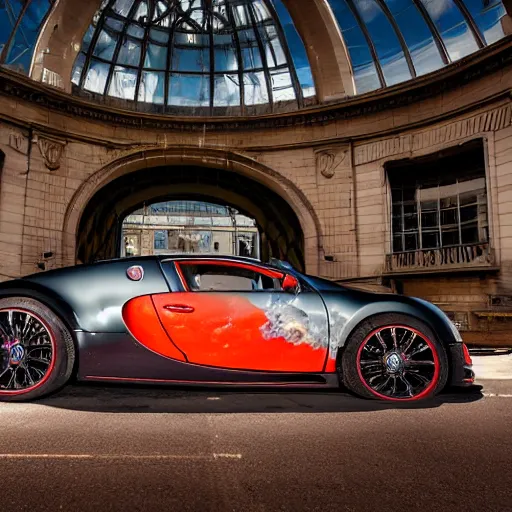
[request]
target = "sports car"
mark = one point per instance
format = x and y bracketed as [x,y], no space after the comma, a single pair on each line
[203,320]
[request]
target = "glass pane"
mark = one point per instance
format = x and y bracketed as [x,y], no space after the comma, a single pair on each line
[189,90]
[365,73]
[105,46]
[141,12]
[159,36]
[225,55]
[470,234]
[488,15]
[429,220]
[450,237]
[282,88]
[135,31]
[227,91]
[240,15]
[255,88]
[251,54]
[430,240]
[123,7]
[129,53]
[114,24]
[9,12]
[181,38]
[397,244]
[78,68]
[161,240]
[410,222]
[273,49]
[87,39]
[152,87]
[417,35]
[297,50]
[96,77]
[156,57]
[260,11]
[454,30]
[387,45]
[191,59]
[123,83]
[411,242]
[20,53]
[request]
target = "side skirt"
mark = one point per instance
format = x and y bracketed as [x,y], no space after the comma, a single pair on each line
[118,357]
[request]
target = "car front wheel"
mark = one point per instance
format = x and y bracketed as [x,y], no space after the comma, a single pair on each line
[396,358]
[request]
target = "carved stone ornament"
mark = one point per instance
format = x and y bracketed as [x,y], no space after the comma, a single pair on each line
[330,159]
[51,150]
[18,142]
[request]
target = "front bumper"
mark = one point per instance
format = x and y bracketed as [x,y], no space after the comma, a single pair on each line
[461,373]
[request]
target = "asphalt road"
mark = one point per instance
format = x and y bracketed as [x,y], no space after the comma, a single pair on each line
[106,448]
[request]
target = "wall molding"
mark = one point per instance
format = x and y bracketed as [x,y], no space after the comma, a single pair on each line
[490,121]
[489,60]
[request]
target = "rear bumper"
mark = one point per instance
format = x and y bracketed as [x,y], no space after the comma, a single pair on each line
[461,373]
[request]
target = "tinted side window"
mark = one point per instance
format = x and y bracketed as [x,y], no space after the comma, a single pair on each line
[211,277]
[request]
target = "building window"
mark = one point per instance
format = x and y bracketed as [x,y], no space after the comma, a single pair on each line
[161,240]
[440,201]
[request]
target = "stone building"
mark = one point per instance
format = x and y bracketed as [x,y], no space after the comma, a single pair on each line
[189,227]
[369,140]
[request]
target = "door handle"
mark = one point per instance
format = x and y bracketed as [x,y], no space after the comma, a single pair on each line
[179,308]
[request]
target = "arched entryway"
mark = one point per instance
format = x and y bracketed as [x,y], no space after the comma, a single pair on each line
[288,226]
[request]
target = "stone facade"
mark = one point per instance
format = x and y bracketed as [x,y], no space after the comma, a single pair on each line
[327,163]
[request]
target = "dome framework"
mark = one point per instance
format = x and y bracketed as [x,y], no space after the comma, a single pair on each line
[212,56]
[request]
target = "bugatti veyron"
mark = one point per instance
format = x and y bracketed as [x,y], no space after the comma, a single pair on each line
[202,320]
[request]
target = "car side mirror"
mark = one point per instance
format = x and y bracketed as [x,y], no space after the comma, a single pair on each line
[290,284]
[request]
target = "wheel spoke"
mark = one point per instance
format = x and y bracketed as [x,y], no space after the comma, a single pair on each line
[38,360]
[410,341]
[393,335]
[420,349]
[420,363]
[416,374]
[372,363]
[382,385]
[381,341]
[27,374]
[410,391]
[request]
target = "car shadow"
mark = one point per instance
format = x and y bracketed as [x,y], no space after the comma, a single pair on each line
[112,398]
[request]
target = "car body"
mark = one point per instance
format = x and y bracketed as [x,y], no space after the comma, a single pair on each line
[202,320]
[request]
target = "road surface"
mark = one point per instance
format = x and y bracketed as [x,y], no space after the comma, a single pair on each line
[109,448]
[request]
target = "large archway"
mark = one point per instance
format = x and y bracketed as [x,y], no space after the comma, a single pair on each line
[288,224]
[100,227]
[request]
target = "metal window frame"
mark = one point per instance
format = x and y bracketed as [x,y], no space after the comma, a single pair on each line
[443,51]
[369,41]
[385,9]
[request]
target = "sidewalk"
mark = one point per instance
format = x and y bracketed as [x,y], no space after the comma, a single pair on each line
[492,367]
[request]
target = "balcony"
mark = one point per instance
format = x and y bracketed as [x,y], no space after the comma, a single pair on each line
[445,259]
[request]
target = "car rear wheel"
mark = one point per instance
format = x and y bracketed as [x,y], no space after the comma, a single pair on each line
[36,350]
[394,357]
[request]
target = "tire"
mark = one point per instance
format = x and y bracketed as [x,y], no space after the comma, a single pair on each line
[45,360]
[365,363]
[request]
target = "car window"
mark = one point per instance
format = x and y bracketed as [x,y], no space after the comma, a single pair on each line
[203,277]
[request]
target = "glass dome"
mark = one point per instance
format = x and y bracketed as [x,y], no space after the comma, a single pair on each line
[391,41]
[212,56]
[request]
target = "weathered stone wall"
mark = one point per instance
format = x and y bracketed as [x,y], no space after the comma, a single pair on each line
[330,172]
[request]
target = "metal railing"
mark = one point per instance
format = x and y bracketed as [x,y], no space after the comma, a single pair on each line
[461,256]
